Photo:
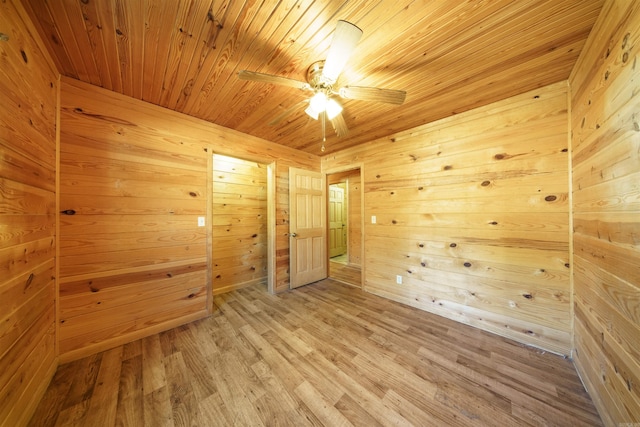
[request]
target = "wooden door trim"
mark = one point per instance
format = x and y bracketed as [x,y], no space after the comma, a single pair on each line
[339,169]
[271,227]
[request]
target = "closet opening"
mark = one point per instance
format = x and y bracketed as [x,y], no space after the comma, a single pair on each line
[242,224]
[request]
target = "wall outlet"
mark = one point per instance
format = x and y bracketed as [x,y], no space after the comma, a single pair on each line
[373,219]
[200,221]
[399,280]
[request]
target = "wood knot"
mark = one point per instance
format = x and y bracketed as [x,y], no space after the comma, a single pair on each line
[447,167]
[499,156]
[193,194]
[254,236]
[493,223]
[393,221]
[29,280]
[453,245]
[550,198]
[485,183]
[424,264]
[564,150]
[422,188]
[191,295]
[421,245]
[467,264]
[378,176]
[94,289]
[527,296]
[169,275]
[24,56]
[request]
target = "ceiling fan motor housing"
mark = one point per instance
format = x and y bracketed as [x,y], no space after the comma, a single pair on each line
[317,80]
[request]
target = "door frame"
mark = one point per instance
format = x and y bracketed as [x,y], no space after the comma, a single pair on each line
[346,168]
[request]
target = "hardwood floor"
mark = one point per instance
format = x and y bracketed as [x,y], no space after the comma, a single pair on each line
[345,273]
[324,354]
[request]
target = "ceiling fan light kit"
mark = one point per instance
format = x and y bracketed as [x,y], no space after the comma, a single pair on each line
[322,75]
[320,103]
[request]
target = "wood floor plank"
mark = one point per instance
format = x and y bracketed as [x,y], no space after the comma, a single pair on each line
[104,399]
[325,354]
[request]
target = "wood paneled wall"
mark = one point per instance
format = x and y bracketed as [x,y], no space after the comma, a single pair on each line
[133,259]
[239,223]
[28,110]
[472,213]
[605,121]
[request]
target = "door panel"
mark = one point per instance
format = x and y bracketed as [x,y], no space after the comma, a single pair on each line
[307,227]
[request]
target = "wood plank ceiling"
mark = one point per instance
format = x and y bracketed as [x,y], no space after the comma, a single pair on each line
[450,56]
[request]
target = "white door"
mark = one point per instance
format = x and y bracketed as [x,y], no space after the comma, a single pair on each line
[307,227]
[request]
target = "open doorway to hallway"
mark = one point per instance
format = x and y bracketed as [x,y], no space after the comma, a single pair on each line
[344,223]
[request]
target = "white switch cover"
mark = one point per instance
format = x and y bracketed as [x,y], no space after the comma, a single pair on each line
[399,280]
[200,221]
[373,219]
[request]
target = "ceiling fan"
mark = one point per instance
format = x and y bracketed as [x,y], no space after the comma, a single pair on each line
[321,77]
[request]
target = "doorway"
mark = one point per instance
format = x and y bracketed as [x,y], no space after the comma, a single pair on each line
[344,210]
[242,223]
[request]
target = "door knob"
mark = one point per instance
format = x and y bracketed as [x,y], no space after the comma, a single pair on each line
[293,234]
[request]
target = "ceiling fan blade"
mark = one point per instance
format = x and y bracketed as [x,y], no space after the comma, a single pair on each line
[390,96]
[344,41]
[270,78]
[286,112]
[340,125]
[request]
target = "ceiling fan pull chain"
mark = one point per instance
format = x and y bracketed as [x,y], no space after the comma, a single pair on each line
[324,114]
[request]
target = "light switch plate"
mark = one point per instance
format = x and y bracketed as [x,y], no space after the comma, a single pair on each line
[373,219]
[200,221]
